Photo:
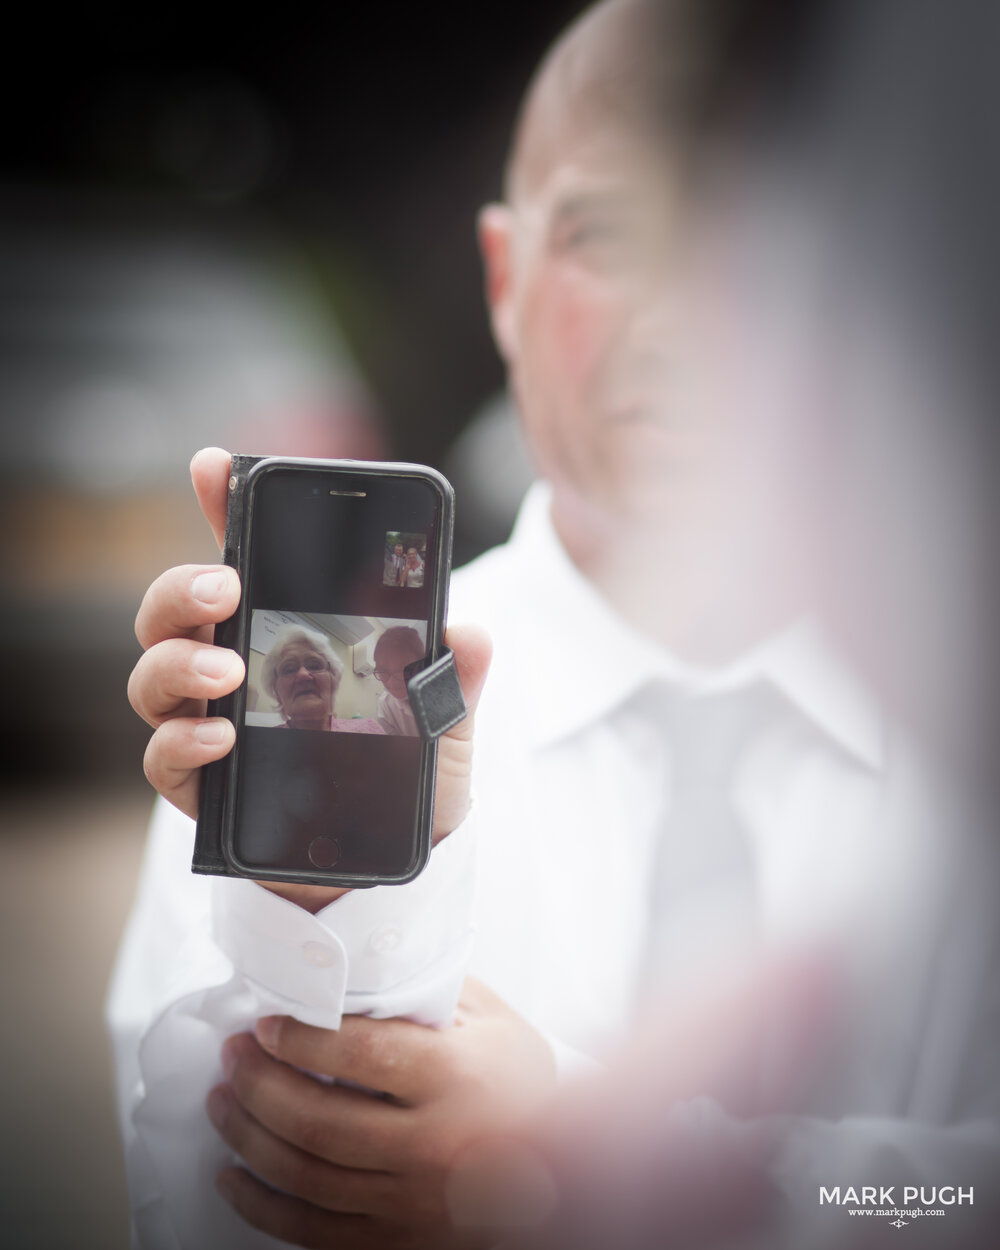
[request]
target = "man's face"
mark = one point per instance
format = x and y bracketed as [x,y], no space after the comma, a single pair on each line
[398,549]
[390,663]
[592,344]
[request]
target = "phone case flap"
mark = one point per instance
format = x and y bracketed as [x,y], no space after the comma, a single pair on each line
[435,693]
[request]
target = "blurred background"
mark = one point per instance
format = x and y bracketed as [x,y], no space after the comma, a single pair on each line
[257,234]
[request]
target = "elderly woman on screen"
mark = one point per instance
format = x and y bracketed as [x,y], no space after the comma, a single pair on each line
[302,674]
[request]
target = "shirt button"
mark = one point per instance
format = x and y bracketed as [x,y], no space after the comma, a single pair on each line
[317,954]
[385,939]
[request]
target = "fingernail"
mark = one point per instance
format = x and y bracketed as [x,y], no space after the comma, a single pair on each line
[217,1105]
[212,662]
[208,587]
[211,733]
[268,1031]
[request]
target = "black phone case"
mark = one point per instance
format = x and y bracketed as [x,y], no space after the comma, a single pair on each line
[432,686]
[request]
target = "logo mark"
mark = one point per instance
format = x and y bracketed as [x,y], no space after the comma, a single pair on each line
[898,1223]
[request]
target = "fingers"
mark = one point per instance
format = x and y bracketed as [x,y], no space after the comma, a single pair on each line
[292,1221]
[177,751]
[333,1122]
[185,602]
[175,677]
[210,476]
[179,671]
[396,1057]
[294,1171]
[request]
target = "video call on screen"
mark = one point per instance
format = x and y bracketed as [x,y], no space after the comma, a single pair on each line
[340,601]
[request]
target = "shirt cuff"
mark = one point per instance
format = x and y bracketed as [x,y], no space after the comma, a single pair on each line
[385,951]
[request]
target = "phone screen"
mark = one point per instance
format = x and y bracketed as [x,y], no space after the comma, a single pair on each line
[341,593]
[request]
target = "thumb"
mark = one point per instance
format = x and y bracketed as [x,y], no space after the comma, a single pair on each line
[473,649]
[210,476]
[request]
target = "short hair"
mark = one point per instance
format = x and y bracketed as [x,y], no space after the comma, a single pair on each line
[402,638]
[283,639]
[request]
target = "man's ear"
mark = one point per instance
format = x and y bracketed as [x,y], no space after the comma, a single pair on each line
[495,228]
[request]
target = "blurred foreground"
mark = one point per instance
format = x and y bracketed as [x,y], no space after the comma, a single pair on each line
[67,869]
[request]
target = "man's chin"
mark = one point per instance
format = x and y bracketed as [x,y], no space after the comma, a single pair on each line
[634,489]
[643,503]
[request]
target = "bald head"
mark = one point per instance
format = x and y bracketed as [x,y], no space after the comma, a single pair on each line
[679,74]
[621,65]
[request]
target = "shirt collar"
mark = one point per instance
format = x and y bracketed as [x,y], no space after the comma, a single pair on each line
[582,660]
[805,666]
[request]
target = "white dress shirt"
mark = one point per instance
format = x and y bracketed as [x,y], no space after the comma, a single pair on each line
[851,855]
[573,783]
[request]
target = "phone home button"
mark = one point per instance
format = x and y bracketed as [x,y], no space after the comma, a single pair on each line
[324,852]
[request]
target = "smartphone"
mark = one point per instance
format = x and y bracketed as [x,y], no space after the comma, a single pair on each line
[344,567]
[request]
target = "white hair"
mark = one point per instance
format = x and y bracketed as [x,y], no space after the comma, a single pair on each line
[283,639]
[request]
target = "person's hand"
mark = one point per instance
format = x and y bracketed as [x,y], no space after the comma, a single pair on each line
[181,669]
[336,1166]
